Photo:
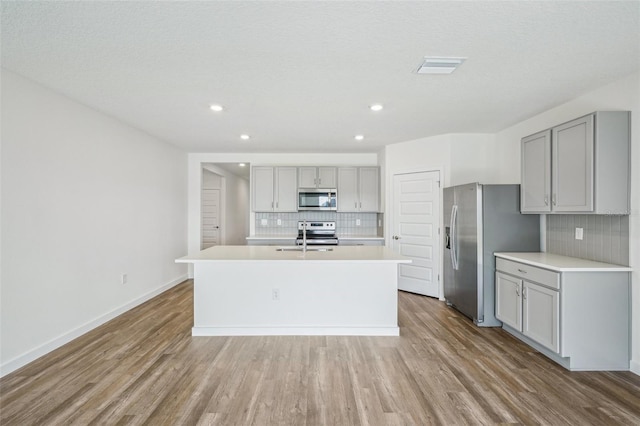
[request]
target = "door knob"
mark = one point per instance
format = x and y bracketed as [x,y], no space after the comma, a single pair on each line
[395,237]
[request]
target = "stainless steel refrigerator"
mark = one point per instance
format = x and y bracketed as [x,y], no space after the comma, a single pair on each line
[479,221]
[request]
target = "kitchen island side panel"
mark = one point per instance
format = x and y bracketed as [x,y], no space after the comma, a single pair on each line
[257,298]
[595,318]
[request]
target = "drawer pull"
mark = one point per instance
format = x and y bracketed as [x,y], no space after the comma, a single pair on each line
[522,270]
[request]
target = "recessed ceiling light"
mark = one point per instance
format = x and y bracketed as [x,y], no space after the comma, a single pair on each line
[241,164]
[216,108]
[376,107]
[245,137]
[359,137]
[437,65]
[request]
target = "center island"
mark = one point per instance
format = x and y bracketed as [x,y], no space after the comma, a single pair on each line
[266,290]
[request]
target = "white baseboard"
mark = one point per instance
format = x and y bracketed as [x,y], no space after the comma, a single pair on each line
[635,367]
[295,331]
[51,345]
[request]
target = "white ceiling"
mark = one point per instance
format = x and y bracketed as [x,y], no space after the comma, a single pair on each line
[299,76]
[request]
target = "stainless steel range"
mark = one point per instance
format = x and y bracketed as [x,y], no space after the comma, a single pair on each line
[318,233]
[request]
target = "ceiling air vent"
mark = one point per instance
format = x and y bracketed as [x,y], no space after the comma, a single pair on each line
[433,65]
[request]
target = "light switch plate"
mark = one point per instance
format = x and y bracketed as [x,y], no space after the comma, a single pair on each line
[357,222]
[579,233]
[279,222]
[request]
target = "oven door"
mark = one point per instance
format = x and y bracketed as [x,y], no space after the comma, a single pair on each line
[318,241]
[317,199]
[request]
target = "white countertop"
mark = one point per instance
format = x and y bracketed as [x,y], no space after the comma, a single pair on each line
[361,237]
[357,254]
[559,263]
[273,237]
[290,237]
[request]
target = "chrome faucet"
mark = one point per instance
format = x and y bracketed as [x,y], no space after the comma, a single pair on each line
[304,236]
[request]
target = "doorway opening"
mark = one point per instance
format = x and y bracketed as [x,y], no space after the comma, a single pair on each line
[224,204]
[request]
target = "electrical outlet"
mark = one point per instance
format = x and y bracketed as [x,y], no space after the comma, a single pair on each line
[275,294]
[264,222]
[357,222]
[579,233]
[279,222]
[123,278]
[379,223]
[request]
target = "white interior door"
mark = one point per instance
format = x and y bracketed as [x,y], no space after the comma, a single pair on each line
[415,222]
[210,218]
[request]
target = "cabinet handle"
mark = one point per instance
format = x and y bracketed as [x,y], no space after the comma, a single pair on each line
[272,204]
[517,290]
[522,270]
[355,205]
[524,293]
[553,199]
[546,200]
[276,204]
[360,204]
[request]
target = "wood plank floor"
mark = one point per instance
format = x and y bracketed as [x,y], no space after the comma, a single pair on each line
[144,368]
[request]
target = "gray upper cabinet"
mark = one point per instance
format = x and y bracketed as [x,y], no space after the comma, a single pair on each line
[535,191]
[274,189]
[582,166]
[317,177]
[358,189]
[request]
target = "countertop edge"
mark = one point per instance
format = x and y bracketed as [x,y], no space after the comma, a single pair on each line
[606,267]
[281,237]
[293,260]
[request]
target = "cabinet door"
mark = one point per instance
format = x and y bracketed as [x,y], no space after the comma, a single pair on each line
[327,177]
[508,300]
[369,188]
[307,177]
[572,166]
[535,189]
[348,189]
[540,312]
[286,189]
[262,178]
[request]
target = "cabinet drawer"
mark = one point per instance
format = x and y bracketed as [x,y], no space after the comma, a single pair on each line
[530,273]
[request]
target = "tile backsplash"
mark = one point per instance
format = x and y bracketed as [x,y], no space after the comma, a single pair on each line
[605,239]
[346,223]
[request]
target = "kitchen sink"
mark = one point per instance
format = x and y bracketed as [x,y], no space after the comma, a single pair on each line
[300,249]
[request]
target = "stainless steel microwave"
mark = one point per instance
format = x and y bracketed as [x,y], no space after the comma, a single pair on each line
[317,199]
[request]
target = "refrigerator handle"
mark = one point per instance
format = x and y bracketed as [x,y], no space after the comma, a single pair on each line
[452,223]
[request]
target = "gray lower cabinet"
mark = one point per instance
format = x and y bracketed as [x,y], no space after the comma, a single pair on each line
[361,241]
[582,166]
[271,241]
[529,307]
[578,319]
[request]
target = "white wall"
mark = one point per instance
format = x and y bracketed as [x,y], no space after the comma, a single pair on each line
[463,158]
[235,215]
[473,160]
[85,198]
[622,95]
